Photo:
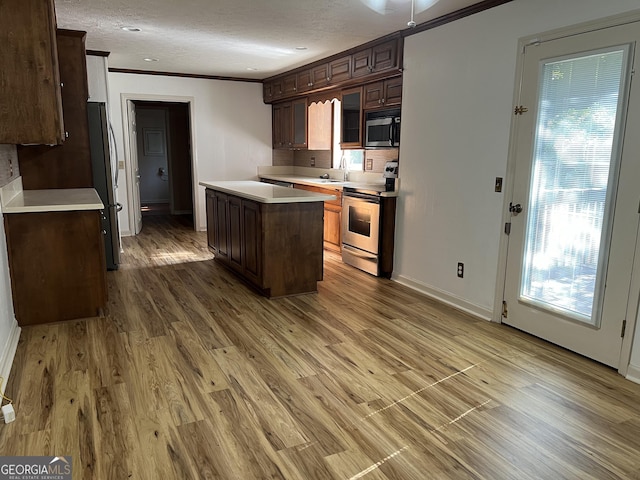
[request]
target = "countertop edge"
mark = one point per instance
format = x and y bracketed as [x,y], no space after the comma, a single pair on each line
[65,200]
[312,182]
[307,198]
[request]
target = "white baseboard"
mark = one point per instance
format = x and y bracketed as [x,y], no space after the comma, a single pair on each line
[633,373]
[8,353]
[445,297]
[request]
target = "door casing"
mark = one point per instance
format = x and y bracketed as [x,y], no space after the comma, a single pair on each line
[130,154]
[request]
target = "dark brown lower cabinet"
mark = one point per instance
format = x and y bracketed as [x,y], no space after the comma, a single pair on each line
[276,247]
[57,265]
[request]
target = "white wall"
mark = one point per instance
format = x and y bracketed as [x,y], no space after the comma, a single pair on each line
[231,128]
[456,113]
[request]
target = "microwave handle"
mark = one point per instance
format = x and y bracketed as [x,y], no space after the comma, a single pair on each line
[391,129]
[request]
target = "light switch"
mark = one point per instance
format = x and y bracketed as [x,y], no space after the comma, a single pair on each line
[121,164]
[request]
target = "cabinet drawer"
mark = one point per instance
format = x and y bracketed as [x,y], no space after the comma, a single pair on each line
[326,191]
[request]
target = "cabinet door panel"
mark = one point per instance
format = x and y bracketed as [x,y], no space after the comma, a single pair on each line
[211,218]
[235,232]
[361,63]
[384,56]
[352,118]
[290,85]
[30,95]
[373,95]
[221,240]
[320,75]
[332,227]
[299,123]
[340,70]
[393,91]
[251,245]
[67,165]
[303,81]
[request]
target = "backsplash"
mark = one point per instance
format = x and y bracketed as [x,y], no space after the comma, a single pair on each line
[282,158]
[319,158]
[374,160]
[8,164]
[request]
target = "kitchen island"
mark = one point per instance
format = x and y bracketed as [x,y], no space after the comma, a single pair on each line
[271,236]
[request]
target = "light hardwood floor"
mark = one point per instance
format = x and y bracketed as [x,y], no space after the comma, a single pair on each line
[192,375]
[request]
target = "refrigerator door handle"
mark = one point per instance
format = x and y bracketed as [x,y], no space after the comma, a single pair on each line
[118,206]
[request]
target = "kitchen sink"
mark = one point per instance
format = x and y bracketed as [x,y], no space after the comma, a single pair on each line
[325,180]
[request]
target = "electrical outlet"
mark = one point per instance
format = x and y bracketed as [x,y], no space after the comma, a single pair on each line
[313,161]
[498,188]
[460,270]
[369,164]
[121,164]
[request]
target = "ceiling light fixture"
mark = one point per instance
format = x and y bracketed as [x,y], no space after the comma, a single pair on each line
[150,59]
[130,29]
[301,48]
[252,69]
[411,23]
[384,7]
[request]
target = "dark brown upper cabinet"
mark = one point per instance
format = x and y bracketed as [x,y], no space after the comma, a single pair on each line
[290,125]
[340,70]
[375,59]
[351,122]
[385,93]
[312,78]
[67,165]
[30,97]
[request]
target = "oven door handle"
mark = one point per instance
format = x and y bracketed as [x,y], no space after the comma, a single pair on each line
[356,252]
[363,197]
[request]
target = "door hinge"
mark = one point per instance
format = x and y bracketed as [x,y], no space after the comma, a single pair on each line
[520,109]
[507,228]
[624,328]
[504,309]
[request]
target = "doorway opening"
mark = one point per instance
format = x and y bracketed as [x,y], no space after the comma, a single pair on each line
[163,138]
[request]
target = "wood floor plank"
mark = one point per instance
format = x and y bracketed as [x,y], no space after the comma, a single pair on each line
[190,374]
[278,426]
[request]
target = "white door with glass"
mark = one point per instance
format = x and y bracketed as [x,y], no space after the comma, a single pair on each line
[574,209]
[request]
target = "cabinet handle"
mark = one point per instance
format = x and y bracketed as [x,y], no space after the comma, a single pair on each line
[66,134]
[383,100]
[380,100]
[61,84]
[309,84]
[328,79]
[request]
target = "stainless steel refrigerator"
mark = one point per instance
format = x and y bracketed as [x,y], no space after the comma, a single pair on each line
[103,180]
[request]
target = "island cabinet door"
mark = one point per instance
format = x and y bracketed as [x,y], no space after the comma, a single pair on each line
[252,243]
[217,223]
[235,232]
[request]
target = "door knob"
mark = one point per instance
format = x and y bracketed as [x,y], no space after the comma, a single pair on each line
[515,209]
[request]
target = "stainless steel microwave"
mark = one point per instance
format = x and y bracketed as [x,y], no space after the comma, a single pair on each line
[382,130]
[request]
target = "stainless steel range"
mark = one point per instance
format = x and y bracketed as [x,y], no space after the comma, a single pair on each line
[368,223]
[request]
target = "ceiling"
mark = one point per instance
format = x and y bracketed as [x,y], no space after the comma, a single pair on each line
[236,38]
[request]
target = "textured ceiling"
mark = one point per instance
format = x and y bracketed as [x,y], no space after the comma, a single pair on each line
[231,37]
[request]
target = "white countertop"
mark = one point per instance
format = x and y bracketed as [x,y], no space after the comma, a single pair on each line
[54,200]
[329,183]
[265,192]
